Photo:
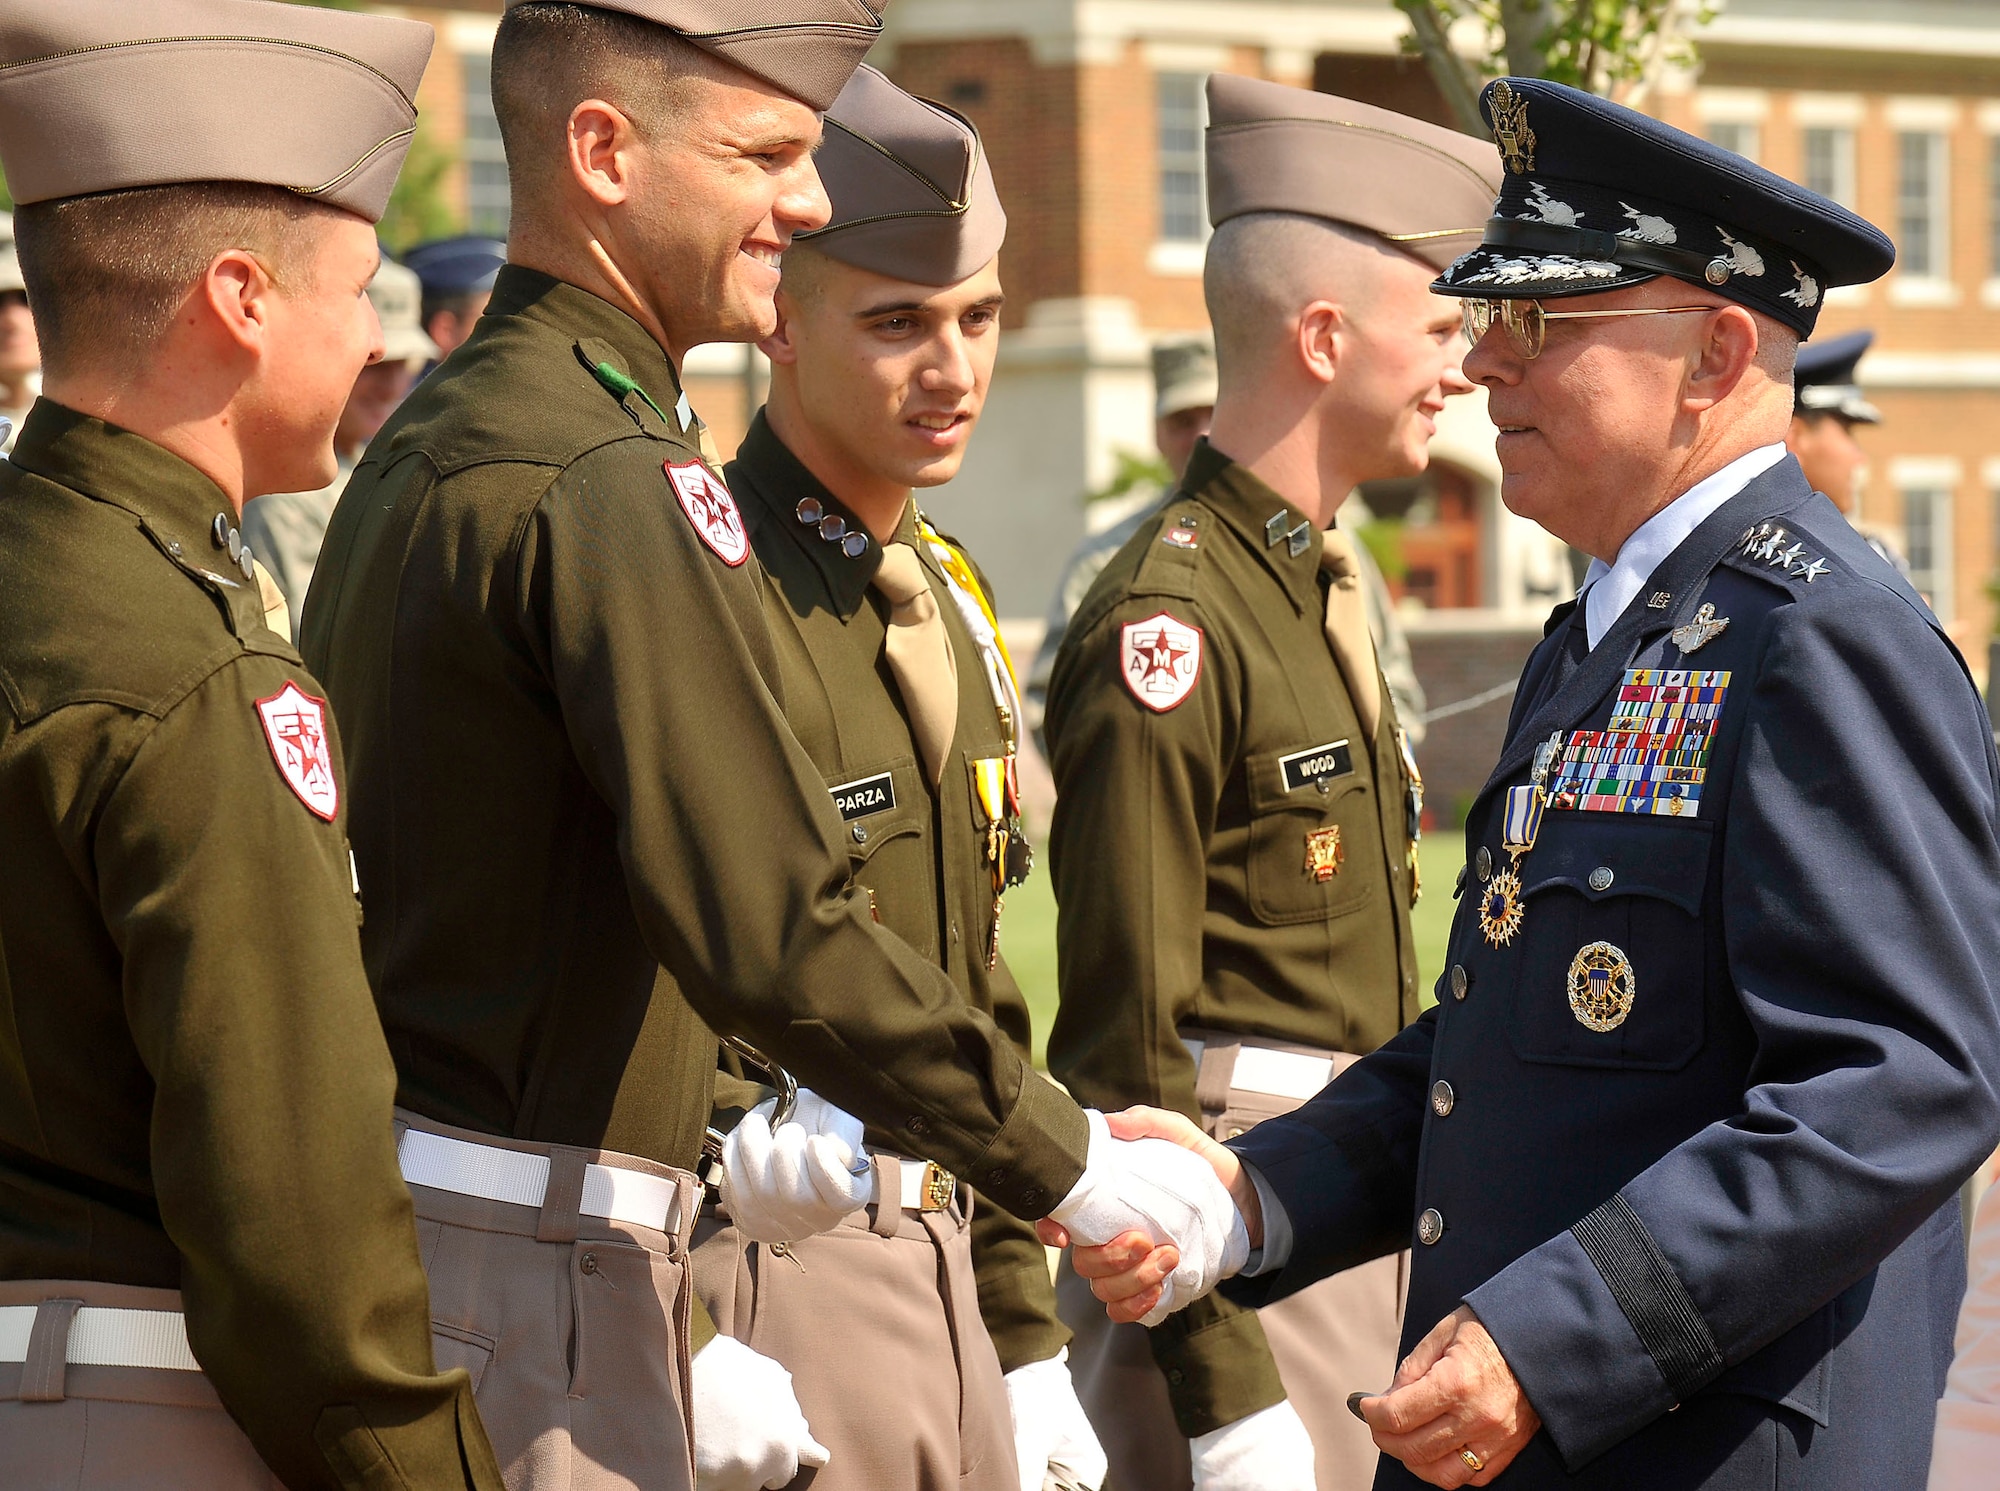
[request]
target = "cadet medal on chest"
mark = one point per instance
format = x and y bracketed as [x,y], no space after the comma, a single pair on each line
[1009,856]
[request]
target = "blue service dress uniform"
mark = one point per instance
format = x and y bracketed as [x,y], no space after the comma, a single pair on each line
[1701,1186]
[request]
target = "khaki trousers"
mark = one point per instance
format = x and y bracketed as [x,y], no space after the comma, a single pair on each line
[878,1323]
[1336,1337]
[70,1427]
[573,1328]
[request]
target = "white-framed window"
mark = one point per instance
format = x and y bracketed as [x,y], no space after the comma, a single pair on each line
[1923,216]
[488,200]
[1827,155]
[1180,111]
[1739,135]
[1927,487]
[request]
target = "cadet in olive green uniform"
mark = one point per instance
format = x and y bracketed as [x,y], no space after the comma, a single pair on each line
[890,316]
[1233,842]
[208,1274]
[584,825]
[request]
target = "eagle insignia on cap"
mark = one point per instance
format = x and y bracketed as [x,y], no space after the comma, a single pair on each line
[1510,128]
[1647,227]
[1805,294]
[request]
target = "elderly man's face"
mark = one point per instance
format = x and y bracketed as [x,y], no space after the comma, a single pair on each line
[1598,414]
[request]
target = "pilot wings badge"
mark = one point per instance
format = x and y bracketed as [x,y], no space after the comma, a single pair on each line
[1701,631]
[1510,129]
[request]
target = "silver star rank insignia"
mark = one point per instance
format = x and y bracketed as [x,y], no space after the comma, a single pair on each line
[1701,631]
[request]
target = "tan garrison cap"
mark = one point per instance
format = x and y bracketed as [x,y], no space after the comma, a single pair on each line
[10,262]
[1276,149]
[398,297]
[809,48]
[102,95]
[1183,375]
[912,193]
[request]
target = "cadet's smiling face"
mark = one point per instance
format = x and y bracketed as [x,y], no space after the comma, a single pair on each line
[320,331]
[890,377]
[1400,357]
[721,191]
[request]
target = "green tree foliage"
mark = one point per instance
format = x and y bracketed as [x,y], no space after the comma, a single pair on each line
[1134,471]
[420,209]
[1604,46]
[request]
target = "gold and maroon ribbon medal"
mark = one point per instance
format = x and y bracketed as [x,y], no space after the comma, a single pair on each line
[1009,856]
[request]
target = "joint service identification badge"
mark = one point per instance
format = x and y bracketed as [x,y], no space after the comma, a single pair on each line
[1601,987]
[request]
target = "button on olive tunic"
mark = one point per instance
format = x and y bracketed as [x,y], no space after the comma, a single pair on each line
[1181,852]
[194,1092]
[583,824]
[919,852]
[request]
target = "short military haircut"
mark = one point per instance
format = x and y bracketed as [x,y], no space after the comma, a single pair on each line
[1263,268]
[549,56]
[106,274]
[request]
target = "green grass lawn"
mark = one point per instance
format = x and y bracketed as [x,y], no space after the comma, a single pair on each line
[1028,929]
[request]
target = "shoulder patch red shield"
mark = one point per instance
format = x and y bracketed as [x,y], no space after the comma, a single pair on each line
[710,507]
[1160,659]
[295,726]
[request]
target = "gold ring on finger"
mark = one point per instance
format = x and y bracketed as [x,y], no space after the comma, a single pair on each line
[1471,1459]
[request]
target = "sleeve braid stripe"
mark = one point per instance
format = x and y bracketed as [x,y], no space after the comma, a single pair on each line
[1652,1296]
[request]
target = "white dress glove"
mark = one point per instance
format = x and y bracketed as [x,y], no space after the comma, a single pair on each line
[1053,1441]
[798,1180]
[1169,1193]
[1268,1451]
[749,1432]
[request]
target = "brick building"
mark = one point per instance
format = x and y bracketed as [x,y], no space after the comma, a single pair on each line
[1092,112]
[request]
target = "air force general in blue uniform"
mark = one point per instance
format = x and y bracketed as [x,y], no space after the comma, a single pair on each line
[1712,1057]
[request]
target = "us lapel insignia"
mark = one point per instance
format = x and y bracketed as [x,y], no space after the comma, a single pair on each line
[1510,129]
[1601,987]
[1324,855]
[1701,631]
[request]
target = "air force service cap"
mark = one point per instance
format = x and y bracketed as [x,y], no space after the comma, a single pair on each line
[1272,148]
[808,48]
[1823,380]
[1598,196]
[457,266]
[106,95]
[912,193]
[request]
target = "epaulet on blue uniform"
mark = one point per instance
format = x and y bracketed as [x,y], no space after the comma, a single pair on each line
[1790,560]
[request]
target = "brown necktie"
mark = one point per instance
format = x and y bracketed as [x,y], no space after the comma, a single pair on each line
[1347,629]
[919,655]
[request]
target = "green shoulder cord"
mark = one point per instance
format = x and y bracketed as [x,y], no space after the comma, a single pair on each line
[622,385]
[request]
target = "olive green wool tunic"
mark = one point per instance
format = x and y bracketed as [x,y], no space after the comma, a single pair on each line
[194,1091]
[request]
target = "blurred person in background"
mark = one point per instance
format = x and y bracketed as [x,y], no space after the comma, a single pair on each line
[286,529]
[20,350]
[458,276]
[1827,404]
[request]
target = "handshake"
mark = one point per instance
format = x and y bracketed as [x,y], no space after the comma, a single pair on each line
[1160,1215]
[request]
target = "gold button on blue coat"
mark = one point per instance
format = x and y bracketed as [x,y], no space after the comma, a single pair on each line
[1443,1099]
[1430,1226]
